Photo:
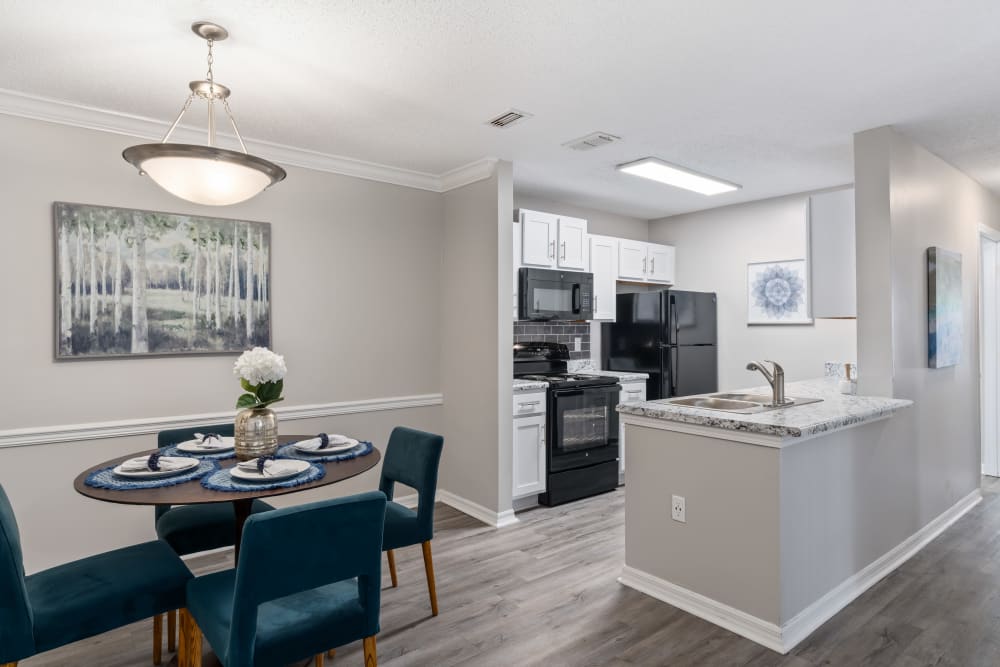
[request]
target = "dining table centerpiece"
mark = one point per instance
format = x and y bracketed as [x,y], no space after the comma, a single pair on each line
[261,374]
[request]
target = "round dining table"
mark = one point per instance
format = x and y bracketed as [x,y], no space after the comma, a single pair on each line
[192,492]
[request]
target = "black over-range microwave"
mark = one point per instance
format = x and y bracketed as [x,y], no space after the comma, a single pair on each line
[547,294]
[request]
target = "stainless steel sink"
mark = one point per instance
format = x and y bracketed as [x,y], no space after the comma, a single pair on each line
[715,403]
[737,403]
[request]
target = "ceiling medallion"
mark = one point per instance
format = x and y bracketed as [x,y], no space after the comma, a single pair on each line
[205,174]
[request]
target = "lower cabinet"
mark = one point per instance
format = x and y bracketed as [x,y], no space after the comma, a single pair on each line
[631,391]
[529,453]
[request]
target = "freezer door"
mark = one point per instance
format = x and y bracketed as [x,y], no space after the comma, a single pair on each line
[632,342]
[690,318]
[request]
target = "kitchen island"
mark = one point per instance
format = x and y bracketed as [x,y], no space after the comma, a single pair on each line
[781,510]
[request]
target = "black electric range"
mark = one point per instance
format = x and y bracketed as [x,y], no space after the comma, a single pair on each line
[581,423]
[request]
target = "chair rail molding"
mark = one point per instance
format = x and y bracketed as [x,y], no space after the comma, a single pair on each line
[44,435]
[24,105]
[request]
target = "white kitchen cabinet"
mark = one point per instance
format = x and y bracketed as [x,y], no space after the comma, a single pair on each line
[538,238]
[529,444]
[572,247]
[632,260]
[833,255]
[661,263]
[630,392]
[552,241]
[604,266]
[645,262]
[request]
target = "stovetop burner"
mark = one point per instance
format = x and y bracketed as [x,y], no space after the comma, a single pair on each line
[571,379]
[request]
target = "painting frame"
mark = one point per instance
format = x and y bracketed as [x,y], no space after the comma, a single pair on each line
[945,328]
[263,336]
[758,315]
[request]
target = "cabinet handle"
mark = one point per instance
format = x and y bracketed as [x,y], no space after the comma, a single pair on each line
[522,406]
[652,265]
[595,303]
[564,250]
[644,265]
[552,249]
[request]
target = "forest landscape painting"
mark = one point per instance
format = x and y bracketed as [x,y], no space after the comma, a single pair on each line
[132,282]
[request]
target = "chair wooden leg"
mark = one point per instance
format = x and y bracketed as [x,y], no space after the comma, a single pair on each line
[392,567]
[189,649]
[172,630]
[9,664]
[158,639]
[319,660]
[332,653]
[429,569]
[371,660]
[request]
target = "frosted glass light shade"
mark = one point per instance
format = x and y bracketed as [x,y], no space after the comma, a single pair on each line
[204,174]
[679,177]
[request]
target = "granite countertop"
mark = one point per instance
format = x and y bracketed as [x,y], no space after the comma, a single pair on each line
[524,386]
[836,411]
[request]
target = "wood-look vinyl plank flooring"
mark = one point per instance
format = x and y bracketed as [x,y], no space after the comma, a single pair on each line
[544,592]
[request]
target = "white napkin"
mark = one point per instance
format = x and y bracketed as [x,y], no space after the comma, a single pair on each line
[315,444]
[141,463]
[275,467]
[209,441]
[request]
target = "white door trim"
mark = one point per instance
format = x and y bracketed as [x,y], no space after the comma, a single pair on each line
[989,356]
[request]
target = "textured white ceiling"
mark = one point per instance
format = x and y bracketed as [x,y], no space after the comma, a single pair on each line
[766,94]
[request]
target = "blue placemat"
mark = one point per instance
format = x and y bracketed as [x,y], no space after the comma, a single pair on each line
[222,480]
[363,448]
[105,479]
[207,456]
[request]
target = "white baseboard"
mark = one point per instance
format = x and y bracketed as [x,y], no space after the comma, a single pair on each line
[805,622]
[44,435]
[477,511]
[786,637]
[465,506]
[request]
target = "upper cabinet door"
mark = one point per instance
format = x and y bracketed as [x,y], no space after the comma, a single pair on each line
[604,266]
[661,263]
[538,239]
[632,262]
[833,258]
[572,247]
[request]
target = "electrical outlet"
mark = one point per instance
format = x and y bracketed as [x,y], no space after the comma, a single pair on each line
[577,344]
[677,509]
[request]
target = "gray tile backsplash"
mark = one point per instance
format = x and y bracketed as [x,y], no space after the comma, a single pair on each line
[556,332]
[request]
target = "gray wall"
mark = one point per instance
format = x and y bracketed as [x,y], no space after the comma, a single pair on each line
[356,305]
[475,340]
[713,250]
[907,200]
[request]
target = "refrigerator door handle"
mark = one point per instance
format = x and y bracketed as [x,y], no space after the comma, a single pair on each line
[674,359]
[673,328]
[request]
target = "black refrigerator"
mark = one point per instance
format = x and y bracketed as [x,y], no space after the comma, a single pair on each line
[671,335]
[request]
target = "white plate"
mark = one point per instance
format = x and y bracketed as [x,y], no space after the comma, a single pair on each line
[329,449]
[195,447]
[292,468]
[189,464]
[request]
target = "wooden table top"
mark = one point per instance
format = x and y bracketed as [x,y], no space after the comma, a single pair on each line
[193,492]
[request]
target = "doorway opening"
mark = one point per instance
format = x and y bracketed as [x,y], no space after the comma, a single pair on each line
[989,349]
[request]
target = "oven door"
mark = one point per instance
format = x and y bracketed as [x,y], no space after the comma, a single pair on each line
[583,427]
[555,295]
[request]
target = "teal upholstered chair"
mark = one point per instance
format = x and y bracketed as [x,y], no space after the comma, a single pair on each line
[411,458]
[308,580]
[189,529]
[84,598]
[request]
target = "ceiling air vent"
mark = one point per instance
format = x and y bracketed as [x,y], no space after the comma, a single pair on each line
[591,141]
[508,118]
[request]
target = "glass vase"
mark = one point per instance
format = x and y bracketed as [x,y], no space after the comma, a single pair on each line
[256,433]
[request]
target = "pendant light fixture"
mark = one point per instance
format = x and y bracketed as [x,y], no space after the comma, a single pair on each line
[205,174]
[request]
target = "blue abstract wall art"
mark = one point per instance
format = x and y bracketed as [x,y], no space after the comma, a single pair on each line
[944,308]
[778,293]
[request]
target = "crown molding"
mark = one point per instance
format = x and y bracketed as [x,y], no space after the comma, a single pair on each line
[14,103]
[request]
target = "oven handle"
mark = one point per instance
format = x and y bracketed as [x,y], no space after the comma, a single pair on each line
[576,297]
[568,392]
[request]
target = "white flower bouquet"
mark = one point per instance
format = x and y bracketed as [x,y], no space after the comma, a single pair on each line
[261,374]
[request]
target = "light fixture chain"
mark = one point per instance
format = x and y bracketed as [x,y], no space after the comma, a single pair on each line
[211,59]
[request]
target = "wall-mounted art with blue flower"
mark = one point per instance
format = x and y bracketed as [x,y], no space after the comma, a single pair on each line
[944,308]
[778,293]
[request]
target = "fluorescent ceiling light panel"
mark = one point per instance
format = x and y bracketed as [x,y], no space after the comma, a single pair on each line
[664,172]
